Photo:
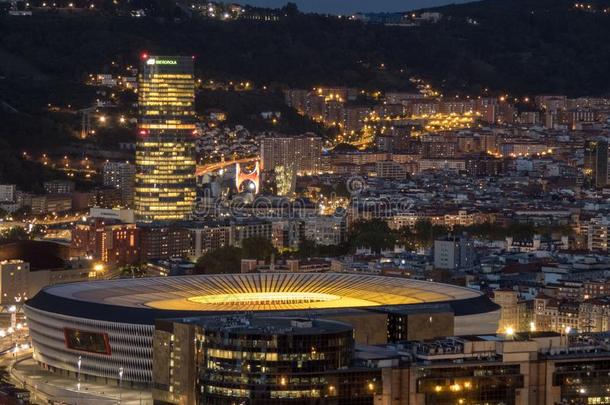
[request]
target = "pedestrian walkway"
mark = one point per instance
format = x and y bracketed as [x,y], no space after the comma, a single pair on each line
[45,385]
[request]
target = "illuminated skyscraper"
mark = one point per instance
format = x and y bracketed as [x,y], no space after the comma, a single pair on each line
[165,160]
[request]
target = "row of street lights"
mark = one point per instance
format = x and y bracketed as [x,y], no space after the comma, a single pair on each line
[79,364]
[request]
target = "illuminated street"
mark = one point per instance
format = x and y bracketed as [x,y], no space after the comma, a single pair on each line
[47,386]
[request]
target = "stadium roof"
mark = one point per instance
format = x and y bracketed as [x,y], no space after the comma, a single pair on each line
[145,299]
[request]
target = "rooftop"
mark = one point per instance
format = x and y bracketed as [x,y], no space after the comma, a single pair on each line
[268,326]
[143,300]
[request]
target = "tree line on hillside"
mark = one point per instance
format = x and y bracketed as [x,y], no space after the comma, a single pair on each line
[244,108]
[526,47]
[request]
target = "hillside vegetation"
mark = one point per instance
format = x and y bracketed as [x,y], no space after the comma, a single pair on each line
[519,46]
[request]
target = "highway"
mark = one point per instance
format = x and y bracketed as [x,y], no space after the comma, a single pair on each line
[214,167]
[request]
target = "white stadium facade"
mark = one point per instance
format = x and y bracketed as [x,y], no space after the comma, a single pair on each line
[109,325]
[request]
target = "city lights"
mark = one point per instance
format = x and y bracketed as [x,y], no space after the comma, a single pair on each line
[208,202]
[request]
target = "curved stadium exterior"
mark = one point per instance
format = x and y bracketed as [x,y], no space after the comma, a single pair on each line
[110,324]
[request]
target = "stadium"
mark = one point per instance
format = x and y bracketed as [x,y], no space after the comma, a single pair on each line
[110,324]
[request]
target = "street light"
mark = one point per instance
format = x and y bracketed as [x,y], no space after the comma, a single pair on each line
[567,331]
[13,310]
[120,382]
[78,377]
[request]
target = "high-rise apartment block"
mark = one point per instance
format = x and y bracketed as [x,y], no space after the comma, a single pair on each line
[110,241]
[120,175]
[596,162]
[304,153]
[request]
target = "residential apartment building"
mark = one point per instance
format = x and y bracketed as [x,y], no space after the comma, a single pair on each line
[304,153]
[120,175]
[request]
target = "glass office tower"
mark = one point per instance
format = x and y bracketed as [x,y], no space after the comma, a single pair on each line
[165,149]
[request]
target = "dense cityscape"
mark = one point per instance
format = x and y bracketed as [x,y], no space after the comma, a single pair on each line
[366,230]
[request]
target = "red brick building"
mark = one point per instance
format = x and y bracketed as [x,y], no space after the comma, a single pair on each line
[113,243]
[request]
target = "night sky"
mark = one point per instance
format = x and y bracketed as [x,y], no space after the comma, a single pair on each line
[351,6]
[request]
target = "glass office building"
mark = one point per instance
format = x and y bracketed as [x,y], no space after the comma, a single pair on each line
[259,361]
[165,159]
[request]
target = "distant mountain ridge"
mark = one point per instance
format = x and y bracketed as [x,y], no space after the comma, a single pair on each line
[351,6]
[513,46]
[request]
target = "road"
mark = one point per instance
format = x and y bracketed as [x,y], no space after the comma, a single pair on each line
[45,385]
[214,167]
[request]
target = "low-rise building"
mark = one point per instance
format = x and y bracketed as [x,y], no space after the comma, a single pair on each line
[325,230]
[58,186]
[51,203]
[390,170]
[454,253]
[250,228]
[13,281]
[208,236]
[19,282]
[163,241]
[8,193]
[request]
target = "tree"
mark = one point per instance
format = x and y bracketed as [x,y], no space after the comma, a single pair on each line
[223,260]
[423,227]
[307,248]
[133,271]
[302,49]
[15,233]
[374,234]
[426,233]
[257,248]
[408,238]
[22,212]
[37,231]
